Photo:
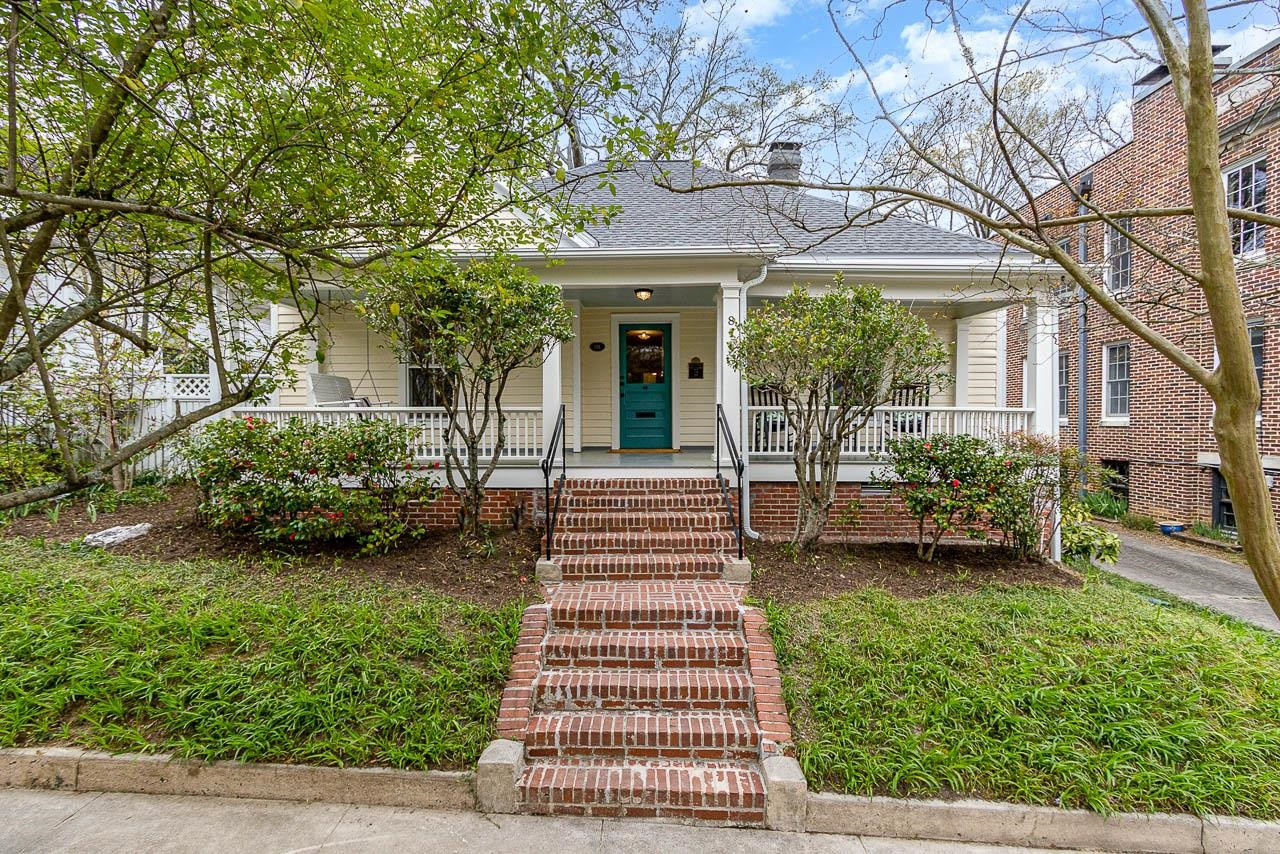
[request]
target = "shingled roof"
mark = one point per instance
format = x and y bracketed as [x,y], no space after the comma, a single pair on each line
[797,223]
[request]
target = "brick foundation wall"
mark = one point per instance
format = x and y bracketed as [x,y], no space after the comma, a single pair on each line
[501,507]
[861,514]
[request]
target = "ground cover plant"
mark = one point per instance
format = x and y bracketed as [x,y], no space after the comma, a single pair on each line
[213,660]
[1097,697]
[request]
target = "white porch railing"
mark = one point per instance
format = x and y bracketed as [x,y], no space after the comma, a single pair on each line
[770,436]
[524,426]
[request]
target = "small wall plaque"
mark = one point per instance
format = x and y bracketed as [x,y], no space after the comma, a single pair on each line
[695,368]
[596,346]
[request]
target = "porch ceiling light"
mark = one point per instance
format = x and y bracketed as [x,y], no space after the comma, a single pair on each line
[644,294]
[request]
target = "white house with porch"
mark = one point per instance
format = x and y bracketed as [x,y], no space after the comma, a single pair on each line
[654,295]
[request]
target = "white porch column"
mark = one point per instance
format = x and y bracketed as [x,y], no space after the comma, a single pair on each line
[1041,321]
[962,361]
[551,395]
[728,379]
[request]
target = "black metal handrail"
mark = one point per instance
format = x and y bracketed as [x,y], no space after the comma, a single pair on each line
[735,459]
[548,465]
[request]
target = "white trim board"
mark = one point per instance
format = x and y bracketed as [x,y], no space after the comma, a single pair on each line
[616,320]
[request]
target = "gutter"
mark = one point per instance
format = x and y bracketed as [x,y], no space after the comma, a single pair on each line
[1082,337]
[743,397]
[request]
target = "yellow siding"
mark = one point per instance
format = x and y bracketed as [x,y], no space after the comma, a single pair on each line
[597,384]
[354,351]
[983,354]
[697,397]
[945,329]
[294,392]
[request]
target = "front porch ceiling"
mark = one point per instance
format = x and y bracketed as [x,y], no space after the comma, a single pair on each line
[623,296]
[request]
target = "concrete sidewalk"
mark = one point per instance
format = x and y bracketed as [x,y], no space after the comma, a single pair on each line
[1193,575]
[45,821]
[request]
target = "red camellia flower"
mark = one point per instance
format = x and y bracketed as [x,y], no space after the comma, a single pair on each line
[955,482]
[350,456]
[311,471]
[928,446]
[524,579]
[1008,463]
[436,464]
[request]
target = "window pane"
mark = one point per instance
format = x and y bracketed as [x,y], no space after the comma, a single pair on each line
[1064,379]
[645,356]
[1247,190]
[1117,379]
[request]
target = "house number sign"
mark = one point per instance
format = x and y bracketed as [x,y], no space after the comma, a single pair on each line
[695,368]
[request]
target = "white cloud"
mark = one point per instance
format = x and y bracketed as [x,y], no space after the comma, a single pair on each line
[741,15]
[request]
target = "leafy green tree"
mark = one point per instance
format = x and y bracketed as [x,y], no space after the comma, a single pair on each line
[832,359]
[469,328]
[173,166]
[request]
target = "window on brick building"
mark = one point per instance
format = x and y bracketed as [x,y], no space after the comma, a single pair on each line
[1257,341]
[1117,477]
[1115,380]
[1119,257]
[1247,190]
[1224,513]
[1064,381]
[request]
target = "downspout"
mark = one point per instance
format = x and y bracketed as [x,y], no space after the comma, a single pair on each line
[1082,337]
[744,398]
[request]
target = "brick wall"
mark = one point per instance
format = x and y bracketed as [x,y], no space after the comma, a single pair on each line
[500,508]
[861,514]
[1169,415]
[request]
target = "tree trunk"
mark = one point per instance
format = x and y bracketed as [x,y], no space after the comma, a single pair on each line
[1233,385]
[811,519]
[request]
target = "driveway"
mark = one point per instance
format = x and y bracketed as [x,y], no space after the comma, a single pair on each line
[1196,576]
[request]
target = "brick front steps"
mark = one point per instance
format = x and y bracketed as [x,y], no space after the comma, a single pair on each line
[643,688]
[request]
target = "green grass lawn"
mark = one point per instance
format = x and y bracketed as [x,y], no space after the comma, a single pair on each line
[1092,698]
[214,661]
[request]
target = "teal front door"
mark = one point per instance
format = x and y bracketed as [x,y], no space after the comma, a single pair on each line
[644,385]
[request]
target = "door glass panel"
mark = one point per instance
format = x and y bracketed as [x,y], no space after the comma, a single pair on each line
[646,357]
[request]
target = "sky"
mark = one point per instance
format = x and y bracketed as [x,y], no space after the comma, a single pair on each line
[908,55]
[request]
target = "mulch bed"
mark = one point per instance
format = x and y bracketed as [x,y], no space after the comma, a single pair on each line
[436,561]
[832,569]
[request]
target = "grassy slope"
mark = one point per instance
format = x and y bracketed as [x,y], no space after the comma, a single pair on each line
[212,661]
[1093,698]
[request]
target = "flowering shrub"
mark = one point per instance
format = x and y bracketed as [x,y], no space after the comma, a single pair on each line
[304,482]
[949,484]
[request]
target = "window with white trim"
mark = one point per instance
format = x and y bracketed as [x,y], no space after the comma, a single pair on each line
[1119,257]
[1064,381]
[1115,381]
[1247,190]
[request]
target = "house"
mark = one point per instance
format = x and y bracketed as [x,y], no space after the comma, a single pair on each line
[653,296]
[1119,400]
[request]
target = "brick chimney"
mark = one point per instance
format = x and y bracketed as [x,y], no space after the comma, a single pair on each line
[784,161]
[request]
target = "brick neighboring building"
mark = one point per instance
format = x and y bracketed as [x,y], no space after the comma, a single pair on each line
[1146,419]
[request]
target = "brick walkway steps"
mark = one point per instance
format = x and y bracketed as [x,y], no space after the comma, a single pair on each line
[633,693]
[725,792]
[666,567]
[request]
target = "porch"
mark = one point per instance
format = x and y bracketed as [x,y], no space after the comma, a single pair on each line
[769,440]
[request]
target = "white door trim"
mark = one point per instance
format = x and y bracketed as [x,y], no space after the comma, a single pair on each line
[616,320]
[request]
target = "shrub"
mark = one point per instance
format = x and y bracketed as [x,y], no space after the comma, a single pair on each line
[1138,522]
[1212,532]
[949,484]
[23,465]
[1083,541]
[302,482]
[1108,505]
